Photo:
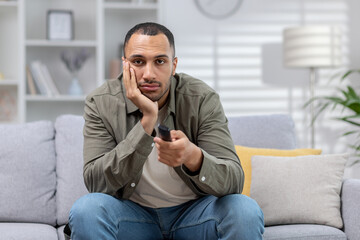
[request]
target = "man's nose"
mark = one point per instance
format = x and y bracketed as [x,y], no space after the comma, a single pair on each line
[149,72]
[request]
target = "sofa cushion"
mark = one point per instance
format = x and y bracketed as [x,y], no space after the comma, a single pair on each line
[263,131]
[350,207]
[27,231]
[303,232]
[245,154]
[296,190]
[60,232]
[27,173]
[69,142]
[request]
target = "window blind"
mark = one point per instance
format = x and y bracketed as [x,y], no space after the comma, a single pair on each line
[229,59]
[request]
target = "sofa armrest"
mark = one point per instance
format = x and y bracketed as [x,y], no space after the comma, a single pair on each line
[350,208]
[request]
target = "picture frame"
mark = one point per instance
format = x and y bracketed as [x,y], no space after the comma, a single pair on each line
[60,25]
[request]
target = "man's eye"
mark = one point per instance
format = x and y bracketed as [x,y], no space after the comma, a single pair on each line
[138,62]
[160,61]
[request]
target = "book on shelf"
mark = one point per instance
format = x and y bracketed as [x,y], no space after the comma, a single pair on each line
[43,79]
[50,80]
[36,77]
[30,82]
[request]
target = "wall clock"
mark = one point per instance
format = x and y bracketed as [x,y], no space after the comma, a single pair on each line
[218,9]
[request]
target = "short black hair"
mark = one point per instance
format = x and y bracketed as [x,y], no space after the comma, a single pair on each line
[150,29]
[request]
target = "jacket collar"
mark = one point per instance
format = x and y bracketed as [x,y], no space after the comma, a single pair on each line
[131,107]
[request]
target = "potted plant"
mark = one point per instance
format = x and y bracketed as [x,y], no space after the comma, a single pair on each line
[349,100]
[74,61]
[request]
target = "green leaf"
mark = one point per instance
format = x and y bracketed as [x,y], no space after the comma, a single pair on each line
[347,74]
[349,133]
[352,92]
[355,106]
[356,147]
[319,111]
[350,117]
[335,100]
[308,102]
[350,122]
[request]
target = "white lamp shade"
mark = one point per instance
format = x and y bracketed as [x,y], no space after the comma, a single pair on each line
[312,46]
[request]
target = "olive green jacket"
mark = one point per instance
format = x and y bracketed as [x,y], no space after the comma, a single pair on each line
[116,145]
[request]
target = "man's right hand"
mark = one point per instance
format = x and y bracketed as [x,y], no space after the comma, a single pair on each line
[146,106]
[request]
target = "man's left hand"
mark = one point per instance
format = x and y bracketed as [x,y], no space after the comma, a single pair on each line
[179,151]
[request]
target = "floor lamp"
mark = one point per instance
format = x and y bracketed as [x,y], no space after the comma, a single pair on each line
[312,47]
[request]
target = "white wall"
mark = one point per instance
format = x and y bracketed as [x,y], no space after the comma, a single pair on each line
[354,55]
[354,33]
[227,54]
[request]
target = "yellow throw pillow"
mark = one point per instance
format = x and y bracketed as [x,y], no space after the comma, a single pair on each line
[245,154]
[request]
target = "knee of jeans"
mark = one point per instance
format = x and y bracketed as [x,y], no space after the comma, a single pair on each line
[244,207]
[87,206]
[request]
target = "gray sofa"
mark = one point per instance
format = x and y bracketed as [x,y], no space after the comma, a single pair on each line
[41,177]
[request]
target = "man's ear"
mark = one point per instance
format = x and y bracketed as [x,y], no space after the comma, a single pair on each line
[175,61]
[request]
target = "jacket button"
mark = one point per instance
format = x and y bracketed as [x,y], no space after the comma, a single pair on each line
[132,184]
[203,179]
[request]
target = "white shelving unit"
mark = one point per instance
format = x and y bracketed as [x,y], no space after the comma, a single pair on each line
[11,99]
[124,15]
[9,3]
[61,98]
[39,48]
[99,28]
[130,5]
[8,82]
[47,43]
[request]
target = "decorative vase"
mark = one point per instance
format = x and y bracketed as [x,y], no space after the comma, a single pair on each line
[75,87]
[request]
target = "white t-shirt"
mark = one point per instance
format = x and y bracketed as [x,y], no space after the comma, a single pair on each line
[160,186]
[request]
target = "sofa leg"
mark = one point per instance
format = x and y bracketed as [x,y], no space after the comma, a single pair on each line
[67,232]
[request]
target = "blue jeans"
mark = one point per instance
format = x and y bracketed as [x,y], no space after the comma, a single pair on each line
[101,216]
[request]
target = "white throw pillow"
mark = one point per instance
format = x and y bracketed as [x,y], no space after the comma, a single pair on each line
[299,190]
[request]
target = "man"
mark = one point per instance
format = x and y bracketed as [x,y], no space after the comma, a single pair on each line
[143,187]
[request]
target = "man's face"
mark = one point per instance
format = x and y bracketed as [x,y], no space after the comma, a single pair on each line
[152,59]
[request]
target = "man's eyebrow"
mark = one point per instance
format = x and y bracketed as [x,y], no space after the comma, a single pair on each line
[162,56]
[141,56]
[136,56]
